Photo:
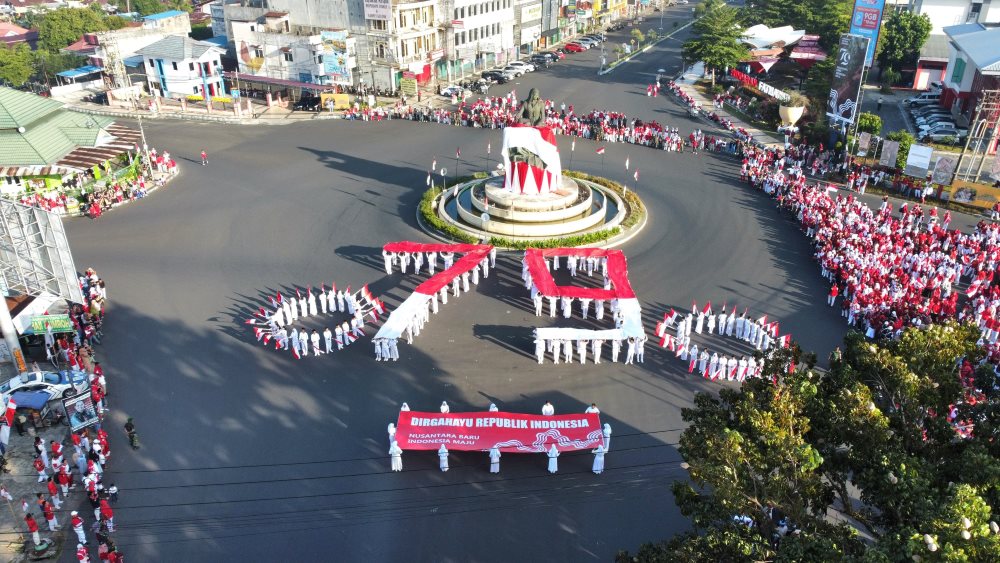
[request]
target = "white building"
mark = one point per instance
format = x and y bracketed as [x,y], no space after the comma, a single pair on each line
[945,13]
[180,66]
[484,32]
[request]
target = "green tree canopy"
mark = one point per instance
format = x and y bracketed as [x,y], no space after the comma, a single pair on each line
[796,447]
[903,34]
[15,64]
[869,122]
[59,28]
[716,40]
[905,141]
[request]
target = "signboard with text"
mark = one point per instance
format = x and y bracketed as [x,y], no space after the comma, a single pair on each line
[510,432]
[40,324]
[865,22]
[842,106]
[378,10]
[335,58]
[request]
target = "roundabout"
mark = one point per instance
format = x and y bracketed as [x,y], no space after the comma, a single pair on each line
[245,445]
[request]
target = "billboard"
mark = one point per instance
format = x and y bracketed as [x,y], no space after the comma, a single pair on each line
[335,57]
[378,10]
[842,105]
[507,431]
[918,161]
[890,150]
[40,324]
[944,169]
[866,22]
[80,411]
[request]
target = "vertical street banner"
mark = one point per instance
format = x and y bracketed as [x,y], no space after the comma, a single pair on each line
[944,169]
[842,105]
[890,150]
[864,141]
[866,22]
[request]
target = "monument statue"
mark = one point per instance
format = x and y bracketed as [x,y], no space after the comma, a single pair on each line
[531,158]
[533,110]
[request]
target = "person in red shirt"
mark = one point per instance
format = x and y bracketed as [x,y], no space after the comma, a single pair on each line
[108,515]
[81,553]
[32,528]
[39,466]
[834,292]
[54,493]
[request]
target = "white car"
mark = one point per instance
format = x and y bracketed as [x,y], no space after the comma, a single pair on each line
[528,67]
[58,384]
[515,70]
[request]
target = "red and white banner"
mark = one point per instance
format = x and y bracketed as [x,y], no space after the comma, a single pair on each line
[522,178]
[507,431]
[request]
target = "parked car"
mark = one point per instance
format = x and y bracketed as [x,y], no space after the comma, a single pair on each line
[527,67]
[944,134]
[574,48]
[58,384]
[496,76]
[547,55]
[559,55]
[587,41]
[307,103]
[928,122]
[515,70]
[540,61]
[923,99]
[595,37]
[449,91]
[924,111]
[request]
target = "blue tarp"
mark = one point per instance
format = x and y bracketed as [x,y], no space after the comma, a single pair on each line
[167,14]
[82,71]
[31,399]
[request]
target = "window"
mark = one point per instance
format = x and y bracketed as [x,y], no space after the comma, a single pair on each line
[258,53]
[191,65]
[319,59]
[378,25]
[175,65]
[287,55]
[152,63]
[196,91]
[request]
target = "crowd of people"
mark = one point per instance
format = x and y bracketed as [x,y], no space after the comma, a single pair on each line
[279,324]
[61,470]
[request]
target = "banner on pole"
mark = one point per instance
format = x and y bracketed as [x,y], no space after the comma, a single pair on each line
[890,150]
[864,140]
[866,21]
[842,106]
[944,168]
[918,161]
[509,432]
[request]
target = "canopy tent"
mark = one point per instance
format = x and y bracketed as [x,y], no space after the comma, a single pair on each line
[808,52]
[74,73]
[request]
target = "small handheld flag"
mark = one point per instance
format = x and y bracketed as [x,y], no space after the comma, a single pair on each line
[458,152]
[600,150]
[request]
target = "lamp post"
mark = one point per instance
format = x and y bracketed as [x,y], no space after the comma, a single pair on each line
[661,15]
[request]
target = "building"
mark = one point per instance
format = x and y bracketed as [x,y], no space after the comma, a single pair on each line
[607,11]
[179,66]
[12,34]
[528,25]
[973,66]
[483,35]
[946,13]
[41,143]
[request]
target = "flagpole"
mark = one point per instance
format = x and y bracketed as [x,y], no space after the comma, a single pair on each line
[457,152]
[572,149]
[602,164]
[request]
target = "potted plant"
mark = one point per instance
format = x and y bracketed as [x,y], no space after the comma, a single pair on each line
[791,110]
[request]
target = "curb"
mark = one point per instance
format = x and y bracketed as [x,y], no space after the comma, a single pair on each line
[611,69]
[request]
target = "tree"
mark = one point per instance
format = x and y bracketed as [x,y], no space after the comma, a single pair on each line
[15,64]
[638,37]
[903,34]
[717,37]
[826,18]
[905,141]
[869,122]
[879,423]
[62,27]
[48,64]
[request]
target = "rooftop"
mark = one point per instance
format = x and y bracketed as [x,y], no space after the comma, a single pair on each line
[979,43]
[165,15]
[178,48]
[935,49]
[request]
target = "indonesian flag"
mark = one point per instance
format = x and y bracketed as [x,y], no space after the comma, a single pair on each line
[762,320]
[11,409]
[785,341]
[670,317]
[733,314]
[668,342]
[259,333]
[626,162]
[681,347]
[262,314]
[694,306]
[742,373]
[708,308]
[379,306]
[267,337]
[458,152]
[322,288]
[691,363]
[333,288]
[295,352]
[250,321]
[600,150]
[732,373]
[274,303]
[277,344]
[661,329]
[280,298]
[374,314]
[351,337]
[773,329]
[298,293]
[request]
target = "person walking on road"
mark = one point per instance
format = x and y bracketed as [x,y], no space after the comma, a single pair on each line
[204,158]
[77,524]
[29,520]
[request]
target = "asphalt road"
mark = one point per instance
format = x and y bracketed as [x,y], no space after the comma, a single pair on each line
[251,455]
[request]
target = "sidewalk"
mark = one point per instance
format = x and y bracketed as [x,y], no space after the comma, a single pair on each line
[686,83]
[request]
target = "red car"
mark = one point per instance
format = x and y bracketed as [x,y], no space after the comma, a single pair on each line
[559,54]
[574,48]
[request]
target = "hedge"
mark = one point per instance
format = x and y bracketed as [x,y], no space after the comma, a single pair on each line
[636,211]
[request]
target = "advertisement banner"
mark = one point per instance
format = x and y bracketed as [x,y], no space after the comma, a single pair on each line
[40,324]
[841,108]
[80,411]
[531,13]
[983,196]
[890,150]
[918,161]
[995,169]
[378,10]
[944,169]
[510,432]
[864,140]
[408,86]
[866,22]
[335,56]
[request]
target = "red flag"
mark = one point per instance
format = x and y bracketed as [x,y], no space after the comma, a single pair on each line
[11,410]
[600,150]
[250,321]
[277,344]
[458,152]
[708,308]
[280,298]
[295,352]
[298,293]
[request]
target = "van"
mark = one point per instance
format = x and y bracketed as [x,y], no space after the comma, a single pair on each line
[923,99]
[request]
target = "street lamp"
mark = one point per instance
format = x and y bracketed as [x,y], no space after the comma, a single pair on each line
[661,15]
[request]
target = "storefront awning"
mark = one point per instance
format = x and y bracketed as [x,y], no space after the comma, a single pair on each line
[81,71]
[23,307]
[253,79]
